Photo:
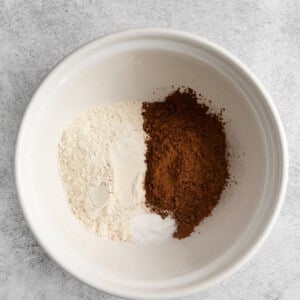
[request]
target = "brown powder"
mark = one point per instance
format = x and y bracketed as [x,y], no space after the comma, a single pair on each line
[187,168]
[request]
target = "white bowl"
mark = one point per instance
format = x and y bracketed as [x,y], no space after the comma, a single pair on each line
[132,65]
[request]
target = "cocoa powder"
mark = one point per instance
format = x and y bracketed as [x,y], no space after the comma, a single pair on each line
[187,166]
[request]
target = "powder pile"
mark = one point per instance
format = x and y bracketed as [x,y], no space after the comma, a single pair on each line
[187,168]
[145,171]
[101,157]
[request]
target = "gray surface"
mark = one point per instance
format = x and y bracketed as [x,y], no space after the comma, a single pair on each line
[35,35]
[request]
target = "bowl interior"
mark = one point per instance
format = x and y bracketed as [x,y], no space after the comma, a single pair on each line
[118,69]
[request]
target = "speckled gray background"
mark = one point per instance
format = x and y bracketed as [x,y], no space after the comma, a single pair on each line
[35,35]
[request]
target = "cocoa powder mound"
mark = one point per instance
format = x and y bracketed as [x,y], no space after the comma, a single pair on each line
[187,166]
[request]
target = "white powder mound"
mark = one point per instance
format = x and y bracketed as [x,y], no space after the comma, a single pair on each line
[149,228]
[101,157]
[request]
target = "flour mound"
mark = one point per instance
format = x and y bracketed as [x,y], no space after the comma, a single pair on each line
[101,158]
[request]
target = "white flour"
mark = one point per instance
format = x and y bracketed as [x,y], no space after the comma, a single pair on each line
[101,157]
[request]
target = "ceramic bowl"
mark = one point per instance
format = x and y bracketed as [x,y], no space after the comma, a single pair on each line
[134,65]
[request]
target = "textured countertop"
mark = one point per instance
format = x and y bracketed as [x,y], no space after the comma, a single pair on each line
[35,35]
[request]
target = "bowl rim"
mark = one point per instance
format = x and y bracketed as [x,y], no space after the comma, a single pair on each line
[202,42]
